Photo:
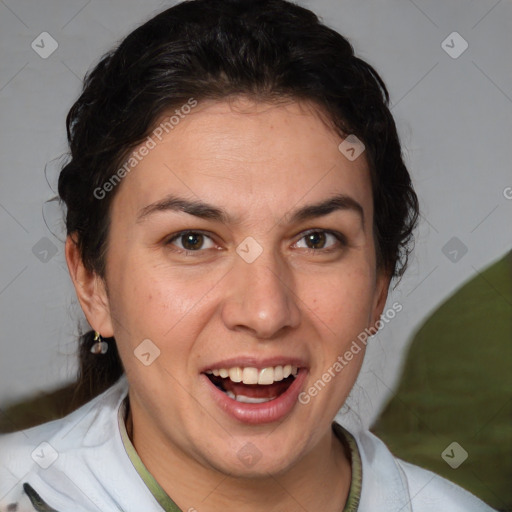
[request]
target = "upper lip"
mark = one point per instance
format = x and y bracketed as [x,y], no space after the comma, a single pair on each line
[255,362]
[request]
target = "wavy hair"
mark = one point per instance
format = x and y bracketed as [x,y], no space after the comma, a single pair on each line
[214,49]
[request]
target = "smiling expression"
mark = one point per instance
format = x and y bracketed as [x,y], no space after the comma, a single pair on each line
[242,246]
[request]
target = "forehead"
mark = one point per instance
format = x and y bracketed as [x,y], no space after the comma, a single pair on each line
[245,155]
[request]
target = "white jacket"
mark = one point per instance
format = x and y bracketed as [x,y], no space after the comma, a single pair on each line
[79,464]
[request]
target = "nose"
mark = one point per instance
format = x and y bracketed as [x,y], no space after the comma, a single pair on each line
[261,297]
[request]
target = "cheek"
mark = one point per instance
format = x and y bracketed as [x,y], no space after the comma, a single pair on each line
[152,300]
[341,300]
[147,306]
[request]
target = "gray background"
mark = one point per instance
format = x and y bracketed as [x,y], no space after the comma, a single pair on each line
[454,117]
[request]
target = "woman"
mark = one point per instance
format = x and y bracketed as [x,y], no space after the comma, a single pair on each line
[237,207]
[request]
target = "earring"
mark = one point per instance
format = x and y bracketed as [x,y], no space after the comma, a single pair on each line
[100,346]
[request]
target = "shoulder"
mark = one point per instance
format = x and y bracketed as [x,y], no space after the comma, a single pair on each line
[390,484]
[433,492]
[27,455]
[68,430]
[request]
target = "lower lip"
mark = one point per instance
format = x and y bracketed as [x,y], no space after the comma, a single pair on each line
[256,414]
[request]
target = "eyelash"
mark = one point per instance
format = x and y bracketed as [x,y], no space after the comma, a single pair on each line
[339,237]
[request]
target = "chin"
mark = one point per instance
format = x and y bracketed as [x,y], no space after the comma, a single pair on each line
[255,457]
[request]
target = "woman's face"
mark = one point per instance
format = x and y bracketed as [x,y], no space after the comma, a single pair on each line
[265,278]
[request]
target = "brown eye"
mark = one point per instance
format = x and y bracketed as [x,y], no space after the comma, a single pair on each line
[317,240]
[190,241]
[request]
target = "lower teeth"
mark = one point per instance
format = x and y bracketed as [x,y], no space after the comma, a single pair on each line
[248,399]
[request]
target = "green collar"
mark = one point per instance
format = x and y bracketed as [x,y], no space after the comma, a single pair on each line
[168,505]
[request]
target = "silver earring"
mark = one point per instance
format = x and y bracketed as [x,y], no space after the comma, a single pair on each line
[100,346]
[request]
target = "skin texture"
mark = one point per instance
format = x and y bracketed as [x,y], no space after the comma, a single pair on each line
[259,162]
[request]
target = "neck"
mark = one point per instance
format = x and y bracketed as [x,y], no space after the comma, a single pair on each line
[321,481]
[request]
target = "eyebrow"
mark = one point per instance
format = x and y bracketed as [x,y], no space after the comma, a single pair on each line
[339,202]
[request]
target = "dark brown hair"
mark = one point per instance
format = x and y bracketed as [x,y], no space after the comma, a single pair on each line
[215,49]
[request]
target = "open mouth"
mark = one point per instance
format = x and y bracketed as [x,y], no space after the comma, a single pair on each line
[252,385]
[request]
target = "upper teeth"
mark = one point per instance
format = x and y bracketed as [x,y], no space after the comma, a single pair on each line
[254,376]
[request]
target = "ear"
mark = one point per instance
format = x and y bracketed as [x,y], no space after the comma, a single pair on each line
[381,294]
[90,290]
